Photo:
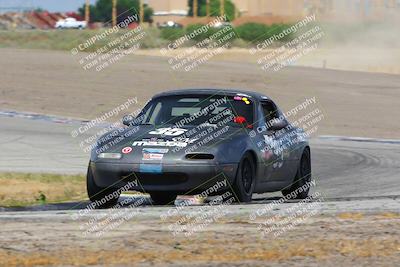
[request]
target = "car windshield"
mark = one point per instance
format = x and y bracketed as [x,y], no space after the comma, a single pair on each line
[198,109]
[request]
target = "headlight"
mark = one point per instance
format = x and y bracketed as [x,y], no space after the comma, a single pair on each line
[109,156]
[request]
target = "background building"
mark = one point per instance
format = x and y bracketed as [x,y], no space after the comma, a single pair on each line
[269,11]
[168,10]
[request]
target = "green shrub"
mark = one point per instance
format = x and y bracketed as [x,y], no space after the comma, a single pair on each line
[205,33]
[256,32]
[276,29]
[217,36]
[172,33]
[251,32]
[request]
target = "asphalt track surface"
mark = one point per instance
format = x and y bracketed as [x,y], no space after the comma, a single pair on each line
[342,169]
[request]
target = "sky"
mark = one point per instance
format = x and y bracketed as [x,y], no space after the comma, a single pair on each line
[50,5]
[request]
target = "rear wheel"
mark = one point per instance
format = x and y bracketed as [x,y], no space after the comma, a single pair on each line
[303,177]
[245,179]
[103,197]
[163,198]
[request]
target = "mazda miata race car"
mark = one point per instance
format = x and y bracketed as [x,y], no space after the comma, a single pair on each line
[188,141]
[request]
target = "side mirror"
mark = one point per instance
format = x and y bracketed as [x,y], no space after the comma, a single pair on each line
[277,125]
[127,120]
[242,120]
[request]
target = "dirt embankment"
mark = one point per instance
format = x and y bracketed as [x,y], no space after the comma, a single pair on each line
[343,239]
[51,82]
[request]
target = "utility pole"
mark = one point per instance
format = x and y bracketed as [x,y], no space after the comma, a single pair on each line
[207,8]
[222,7]
[141,7]
[87,11]
[195,8]
[114,12]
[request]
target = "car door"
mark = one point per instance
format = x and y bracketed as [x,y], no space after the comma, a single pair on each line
[69,23]
[258,137]
[277,143]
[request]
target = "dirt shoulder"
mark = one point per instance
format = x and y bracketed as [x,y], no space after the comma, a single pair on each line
[346,58]
[53,82]
[341,239]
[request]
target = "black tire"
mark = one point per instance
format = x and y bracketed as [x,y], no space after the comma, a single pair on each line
[245,179]
[163,198]
[303,176]
[103,197]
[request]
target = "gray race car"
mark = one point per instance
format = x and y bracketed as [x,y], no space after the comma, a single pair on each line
[187,141]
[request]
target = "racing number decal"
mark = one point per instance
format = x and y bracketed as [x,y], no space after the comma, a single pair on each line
[168,131]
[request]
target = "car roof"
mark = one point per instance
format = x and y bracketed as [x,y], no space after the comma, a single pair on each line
[204,91]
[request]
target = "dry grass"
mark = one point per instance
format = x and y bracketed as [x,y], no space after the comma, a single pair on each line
[388,215]
[211,252]
[68,39]
[19,189]
[351,216]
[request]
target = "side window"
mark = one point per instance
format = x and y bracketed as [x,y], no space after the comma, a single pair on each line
[269,110]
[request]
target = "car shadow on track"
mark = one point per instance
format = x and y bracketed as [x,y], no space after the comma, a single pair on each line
[124,201]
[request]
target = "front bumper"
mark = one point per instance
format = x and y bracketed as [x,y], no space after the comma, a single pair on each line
[182,179]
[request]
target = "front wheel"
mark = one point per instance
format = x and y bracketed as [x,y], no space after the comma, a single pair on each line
[245,179]
[103,197]
[163,198]
[302,178]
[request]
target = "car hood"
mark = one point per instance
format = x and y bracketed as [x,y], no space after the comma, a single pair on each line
[175,143]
